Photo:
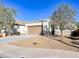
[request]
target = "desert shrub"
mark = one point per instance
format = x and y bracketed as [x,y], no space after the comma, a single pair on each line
[75,33]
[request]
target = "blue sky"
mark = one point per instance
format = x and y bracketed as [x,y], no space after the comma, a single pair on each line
[30,10]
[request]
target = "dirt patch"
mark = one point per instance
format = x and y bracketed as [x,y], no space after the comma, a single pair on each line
[44,42]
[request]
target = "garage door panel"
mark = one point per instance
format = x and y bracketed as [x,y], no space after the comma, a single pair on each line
[34,30]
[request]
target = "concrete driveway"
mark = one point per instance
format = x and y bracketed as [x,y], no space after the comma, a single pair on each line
[10,51]
[14,38]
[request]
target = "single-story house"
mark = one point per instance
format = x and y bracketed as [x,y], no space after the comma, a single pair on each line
[35,28]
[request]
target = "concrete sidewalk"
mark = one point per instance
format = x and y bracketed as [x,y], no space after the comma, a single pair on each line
[15,38]
[9,51]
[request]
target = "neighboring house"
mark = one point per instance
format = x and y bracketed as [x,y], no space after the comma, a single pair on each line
[19,26]
[67,31]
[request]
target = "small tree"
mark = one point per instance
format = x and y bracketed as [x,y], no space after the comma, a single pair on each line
[63,15]
[77,24]
[7,18]
[10,19]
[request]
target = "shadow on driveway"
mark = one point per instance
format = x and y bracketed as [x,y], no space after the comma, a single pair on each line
[51,37]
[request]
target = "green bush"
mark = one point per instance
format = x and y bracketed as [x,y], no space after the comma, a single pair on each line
[17,33]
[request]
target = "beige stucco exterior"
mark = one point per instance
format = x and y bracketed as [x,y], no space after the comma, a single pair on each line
[34,28]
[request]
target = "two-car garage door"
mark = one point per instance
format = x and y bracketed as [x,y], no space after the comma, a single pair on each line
[34,30]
